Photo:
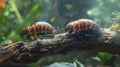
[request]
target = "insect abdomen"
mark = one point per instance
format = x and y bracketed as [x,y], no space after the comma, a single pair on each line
[81,25]
[38,28]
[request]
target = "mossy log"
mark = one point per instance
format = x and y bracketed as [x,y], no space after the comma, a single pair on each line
[28,52]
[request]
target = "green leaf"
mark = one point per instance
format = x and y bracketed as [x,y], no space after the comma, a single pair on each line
[35,12]
[97,58]
[104,56]
[77,64]
[31,17]
[13,5]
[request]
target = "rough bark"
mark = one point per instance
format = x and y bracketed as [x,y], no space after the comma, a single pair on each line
[28,52]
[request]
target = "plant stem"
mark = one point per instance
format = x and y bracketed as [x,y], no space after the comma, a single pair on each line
[13,5]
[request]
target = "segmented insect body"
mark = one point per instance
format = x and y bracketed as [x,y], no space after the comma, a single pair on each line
[37,28]
[82,25]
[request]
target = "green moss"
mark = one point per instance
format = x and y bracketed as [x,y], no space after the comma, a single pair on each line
[116,25]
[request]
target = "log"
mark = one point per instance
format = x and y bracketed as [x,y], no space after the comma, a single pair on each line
[29,52]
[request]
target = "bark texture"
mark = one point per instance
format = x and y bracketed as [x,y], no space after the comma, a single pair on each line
[28,52]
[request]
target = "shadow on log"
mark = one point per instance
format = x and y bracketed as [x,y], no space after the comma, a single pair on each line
[30,52]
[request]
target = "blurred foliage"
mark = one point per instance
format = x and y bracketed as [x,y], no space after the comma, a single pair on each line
[116,25]
[21,13]
[104,56]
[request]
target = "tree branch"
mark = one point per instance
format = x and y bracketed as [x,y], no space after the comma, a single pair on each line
[29,52]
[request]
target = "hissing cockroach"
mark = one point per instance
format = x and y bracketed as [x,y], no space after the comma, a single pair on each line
[39,28]
[82,25]
[83,28]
